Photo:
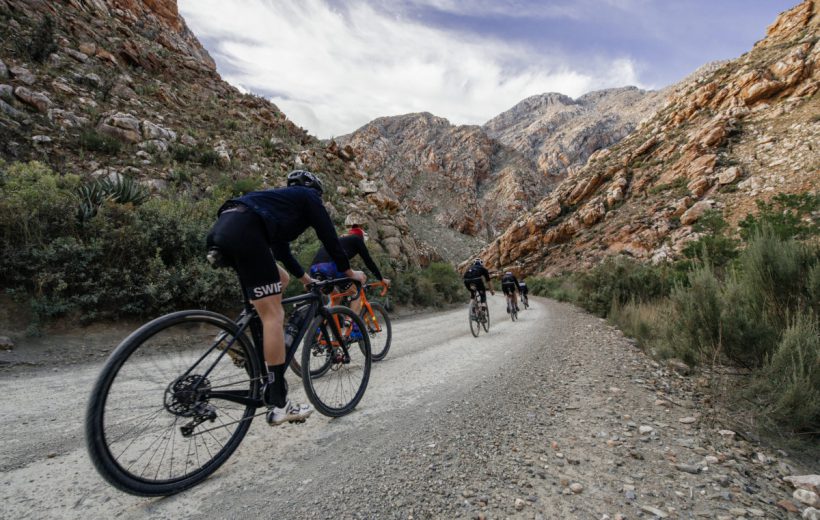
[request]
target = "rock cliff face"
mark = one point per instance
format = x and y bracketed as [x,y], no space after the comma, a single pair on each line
[559,133]
[460,185]
[122,88]
[743,131]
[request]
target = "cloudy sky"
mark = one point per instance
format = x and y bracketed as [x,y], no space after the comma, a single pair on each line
[334,65]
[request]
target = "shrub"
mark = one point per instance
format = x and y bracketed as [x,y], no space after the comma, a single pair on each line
[787,216]
[713,246]
[620,280]
[561,288]
[122,190]
[790,382]
[94,141]
[42,42]
[695,330]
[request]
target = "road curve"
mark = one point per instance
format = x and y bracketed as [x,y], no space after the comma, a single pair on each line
[508,424]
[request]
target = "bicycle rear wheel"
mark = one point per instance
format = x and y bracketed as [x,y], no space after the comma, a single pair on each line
[486,321]
[158,421]
[379,328]
[472,316]
[344,376]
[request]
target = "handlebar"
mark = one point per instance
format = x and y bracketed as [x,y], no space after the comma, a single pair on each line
[324,283]
[381,284]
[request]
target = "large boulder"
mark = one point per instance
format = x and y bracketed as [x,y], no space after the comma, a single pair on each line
[122,126]
[67,119]
[22,75]
[694,213]
[37,100]
[154,131]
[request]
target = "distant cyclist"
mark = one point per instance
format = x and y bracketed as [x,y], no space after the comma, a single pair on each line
[509,285]
[324,268]
[523,291]
[475,275]
[253,232]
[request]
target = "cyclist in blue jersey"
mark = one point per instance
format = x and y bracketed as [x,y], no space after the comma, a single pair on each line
[253,232]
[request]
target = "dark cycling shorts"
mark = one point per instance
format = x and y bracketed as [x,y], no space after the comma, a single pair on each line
[329,271]
[479,287]
[523,290]
[242,238]
[508,288]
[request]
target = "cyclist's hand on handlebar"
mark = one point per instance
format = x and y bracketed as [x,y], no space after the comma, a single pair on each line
[307,280]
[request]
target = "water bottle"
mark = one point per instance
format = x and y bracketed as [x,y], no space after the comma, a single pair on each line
[294,324]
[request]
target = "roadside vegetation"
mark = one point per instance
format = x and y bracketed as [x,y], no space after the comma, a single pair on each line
[749,306]
[87,250]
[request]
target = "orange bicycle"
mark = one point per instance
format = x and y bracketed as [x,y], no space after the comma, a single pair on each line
[375,318]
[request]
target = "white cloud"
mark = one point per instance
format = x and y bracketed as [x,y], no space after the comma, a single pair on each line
[332,70]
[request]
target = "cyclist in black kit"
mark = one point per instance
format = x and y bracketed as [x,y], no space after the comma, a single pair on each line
[324,268]
[475,275]
[523,291]
[509,285]
[253,232]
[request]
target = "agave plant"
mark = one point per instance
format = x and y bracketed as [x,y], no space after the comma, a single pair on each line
[122,190]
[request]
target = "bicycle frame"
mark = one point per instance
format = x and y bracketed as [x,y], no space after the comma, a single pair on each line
[249,319]
[336,299]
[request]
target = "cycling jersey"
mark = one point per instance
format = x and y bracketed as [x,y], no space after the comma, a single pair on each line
[509,284]
[353,246]
[254,231]
[474,280]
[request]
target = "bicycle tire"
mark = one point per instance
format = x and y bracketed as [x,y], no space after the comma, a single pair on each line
[486,322]
[340,388]
[385,335]
[147,367]
[475,326]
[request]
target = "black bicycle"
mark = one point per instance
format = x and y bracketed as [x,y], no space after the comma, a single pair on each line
[176,397]
[525,301]
[479,315]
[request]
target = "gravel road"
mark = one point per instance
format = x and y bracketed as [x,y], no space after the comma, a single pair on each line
[554,416]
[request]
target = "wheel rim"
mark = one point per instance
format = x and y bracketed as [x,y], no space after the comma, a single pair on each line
[161,426]
[379,329]
[336,382]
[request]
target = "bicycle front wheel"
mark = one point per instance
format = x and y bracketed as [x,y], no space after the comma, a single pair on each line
[379,329]
[335,381]
[164,413]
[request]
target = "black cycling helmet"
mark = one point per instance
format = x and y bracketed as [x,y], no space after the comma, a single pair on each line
[478,261]
[306,179]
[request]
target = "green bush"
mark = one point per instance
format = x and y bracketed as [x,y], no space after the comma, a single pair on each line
[790,383]
[94,141]
[713,246]
[42,42]
[787,216]
[561,288]
[620,280]
[695,330]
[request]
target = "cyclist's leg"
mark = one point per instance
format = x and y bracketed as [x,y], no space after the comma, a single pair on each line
[356,300]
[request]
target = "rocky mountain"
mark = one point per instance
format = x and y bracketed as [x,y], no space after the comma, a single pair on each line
[737,133]
[462,185]
[459,186]
[122,89]
[559,133]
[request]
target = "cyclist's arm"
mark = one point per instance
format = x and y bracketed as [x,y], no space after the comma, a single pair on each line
[361,249]
[281,251]
[320,221]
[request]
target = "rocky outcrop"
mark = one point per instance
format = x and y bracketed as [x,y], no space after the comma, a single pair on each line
[451,177]
[128,91]
[559,133]
[734,133]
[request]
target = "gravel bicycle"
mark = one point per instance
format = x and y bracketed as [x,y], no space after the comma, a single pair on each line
[177,396]
[479,315]
[376,322]
[525,301]
[512,306]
